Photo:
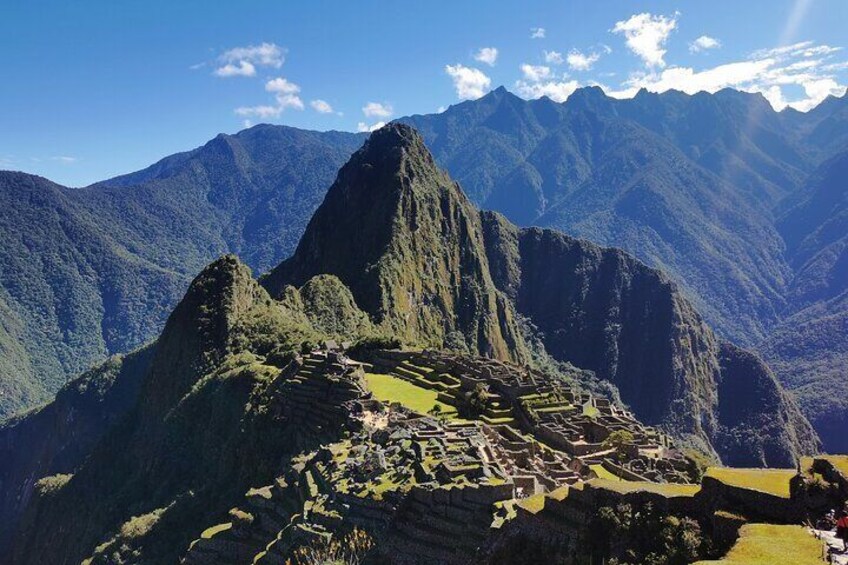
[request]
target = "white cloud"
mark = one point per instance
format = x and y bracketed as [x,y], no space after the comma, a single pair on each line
[242,61]
[704,43]
[377,110]
[535,73]
[554,57]
[363,127]
[290,101]
[321,106]
[469,83]
[578,61]
[285,92]
[262,112]
[441,109]
[558,91]
[646,35]
[803,65]
[64,159]
[281,86]
[247,123]
[817,90]
[488,55]
[265,54]
[537,33]
[242,69]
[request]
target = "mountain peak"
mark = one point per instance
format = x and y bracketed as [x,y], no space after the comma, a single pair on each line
[393,138]
[589,97]
[397,231]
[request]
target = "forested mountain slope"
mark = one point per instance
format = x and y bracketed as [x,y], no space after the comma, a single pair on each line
[700,186]
[86,273]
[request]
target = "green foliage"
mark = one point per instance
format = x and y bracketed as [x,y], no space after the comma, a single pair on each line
[47,486]
[628,534]
[370,343]
[332,310]
[348,549]
[618,440]
[139,526]
[409,245]
[700,463]
[85,273]
[477,399]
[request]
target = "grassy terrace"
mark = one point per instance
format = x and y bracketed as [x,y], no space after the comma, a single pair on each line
[767,544]
[387,388]
[838,461]
[210,533]
[771,481]
[664,489]
[604,474]
[533,504]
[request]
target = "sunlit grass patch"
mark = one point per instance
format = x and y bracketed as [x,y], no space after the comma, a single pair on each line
[387,388]
[626,487]
[771,481]
[769,544]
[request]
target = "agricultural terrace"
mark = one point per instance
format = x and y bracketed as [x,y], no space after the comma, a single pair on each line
[388,389]
[627,487]
[770,481]
[768,544]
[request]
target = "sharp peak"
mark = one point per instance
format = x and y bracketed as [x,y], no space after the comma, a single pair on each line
[394,140]
[395,133]
[226,269]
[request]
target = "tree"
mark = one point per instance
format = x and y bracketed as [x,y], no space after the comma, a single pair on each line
[477,399]
[619,440]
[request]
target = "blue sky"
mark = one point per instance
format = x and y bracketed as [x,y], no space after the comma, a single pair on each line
[95,89]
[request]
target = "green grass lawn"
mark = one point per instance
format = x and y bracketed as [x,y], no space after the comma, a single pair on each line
[591,411]
[838,461]
[387,388]
[533,504]
[768,544]
[604,474]
[626,487]
[209,533]
[772,481]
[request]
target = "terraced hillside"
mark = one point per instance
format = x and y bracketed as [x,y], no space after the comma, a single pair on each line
[442,489]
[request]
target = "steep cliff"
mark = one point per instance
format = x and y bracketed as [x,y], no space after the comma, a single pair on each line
[602,310]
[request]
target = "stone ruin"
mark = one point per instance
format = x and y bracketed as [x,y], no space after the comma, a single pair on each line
[428,485]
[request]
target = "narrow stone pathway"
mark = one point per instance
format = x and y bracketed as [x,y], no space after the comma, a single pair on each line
[834,555]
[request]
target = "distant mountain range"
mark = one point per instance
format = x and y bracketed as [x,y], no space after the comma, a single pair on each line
[151,445]
[739,204]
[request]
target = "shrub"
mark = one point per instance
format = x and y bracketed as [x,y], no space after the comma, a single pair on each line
[51,484]
[350,549]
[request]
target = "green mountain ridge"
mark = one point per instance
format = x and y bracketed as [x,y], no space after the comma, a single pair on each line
[86,273]
[422,262]
[170,437]
[693,185]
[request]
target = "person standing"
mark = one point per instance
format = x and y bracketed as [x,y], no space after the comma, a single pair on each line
[842,528]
